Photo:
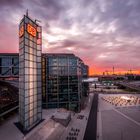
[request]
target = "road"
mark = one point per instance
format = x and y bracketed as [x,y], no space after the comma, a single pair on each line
[90,133]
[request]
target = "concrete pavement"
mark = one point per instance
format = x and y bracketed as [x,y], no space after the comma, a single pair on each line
[79,124]
[118,123]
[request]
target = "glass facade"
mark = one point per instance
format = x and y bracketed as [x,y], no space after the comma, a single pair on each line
[9,65]
[43,80]
[63,81]
[62,75]
[85,85]
[30,88]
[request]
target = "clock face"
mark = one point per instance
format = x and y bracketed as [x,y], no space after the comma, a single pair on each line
[31,30]
[21,31]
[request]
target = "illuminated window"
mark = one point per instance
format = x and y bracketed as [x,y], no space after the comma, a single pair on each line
[39,41]
[21,31]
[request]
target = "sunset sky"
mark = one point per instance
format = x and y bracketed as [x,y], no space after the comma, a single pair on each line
[104,33]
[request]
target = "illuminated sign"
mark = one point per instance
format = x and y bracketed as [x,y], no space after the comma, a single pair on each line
[21,31]
[31,30]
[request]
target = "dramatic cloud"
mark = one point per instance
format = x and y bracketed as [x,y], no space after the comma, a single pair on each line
[10,3]
[104,33]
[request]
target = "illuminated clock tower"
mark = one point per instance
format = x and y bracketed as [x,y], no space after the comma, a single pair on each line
[30,101]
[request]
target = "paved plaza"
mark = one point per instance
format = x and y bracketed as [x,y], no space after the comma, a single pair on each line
[49,129]
[8,130]
[78,122]
[113,123]
[123,100]
[118,123]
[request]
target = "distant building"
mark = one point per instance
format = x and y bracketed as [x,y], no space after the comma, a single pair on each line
[85,70]
[85,75]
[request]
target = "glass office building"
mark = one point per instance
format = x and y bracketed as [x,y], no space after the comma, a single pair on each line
[9,65]
[30,94]
[85,85]
[63,81]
